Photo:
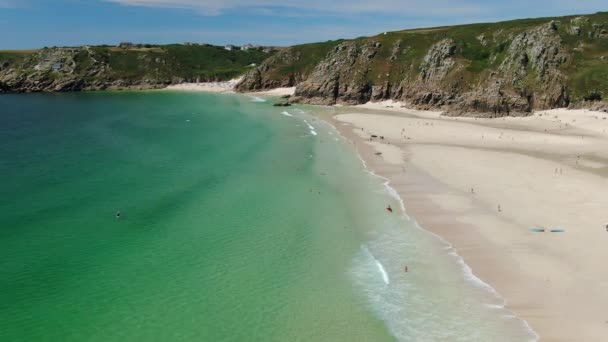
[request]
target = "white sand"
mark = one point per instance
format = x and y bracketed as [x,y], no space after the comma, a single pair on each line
[212,87]
[548,170]
[228,87]
[277,92]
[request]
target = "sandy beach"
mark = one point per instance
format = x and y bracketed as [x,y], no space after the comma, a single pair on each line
[228,87]
[484,184]
[212,87]
[285,91]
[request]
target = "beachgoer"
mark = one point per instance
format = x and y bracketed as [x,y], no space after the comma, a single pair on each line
[118,214]
[405,269]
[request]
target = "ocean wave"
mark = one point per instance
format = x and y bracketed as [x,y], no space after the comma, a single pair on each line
[379,266]
[256,99]
[311,127]
[466,270]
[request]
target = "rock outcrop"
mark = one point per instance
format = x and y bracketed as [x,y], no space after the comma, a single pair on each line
[268,75]
[489,70]
[102,67]
[341,78]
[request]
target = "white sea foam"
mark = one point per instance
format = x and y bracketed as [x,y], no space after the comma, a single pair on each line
[286,113]
[256,99]
[378,264]
[383,272]
[466,269]
[311,127]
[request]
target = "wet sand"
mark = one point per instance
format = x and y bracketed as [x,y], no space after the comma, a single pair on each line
[483,184]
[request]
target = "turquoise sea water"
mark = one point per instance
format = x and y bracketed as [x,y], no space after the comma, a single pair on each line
[240,222]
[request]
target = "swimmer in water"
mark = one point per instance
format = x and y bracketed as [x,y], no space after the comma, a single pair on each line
[118,214]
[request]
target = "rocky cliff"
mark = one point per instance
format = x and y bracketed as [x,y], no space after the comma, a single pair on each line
[103,67]
[508,68]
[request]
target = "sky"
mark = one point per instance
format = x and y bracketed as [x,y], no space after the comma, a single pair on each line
[28,24]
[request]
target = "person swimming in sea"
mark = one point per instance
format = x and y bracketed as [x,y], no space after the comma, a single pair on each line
[117,214]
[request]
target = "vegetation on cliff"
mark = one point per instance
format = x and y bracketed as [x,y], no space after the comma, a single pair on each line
[494,69]
[490,69]
[105,67]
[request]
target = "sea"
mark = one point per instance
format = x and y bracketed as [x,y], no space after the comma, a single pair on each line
[239,221]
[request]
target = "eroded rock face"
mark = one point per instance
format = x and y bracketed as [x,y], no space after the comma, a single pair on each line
[55,70]
[342,77]
[268,74]
[529,76]
[538,49]
[479,70]
[438,61]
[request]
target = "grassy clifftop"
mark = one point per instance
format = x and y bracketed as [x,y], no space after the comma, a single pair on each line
[496,68]
[101,67]
[493,69]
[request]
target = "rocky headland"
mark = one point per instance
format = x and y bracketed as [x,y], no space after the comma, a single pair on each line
[488,70]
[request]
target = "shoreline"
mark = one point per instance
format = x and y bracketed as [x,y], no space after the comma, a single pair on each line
[228,87]
[210,87]
[527,272]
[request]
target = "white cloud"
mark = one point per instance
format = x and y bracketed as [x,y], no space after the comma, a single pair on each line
[400,7]
[410,8]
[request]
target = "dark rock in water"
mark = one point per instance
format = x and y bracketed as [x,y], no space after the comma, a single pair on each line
[282,104]
[285,96]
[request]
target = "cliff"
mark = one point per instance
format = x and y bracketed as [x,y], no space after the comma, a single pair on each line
[497,69]
[135,67]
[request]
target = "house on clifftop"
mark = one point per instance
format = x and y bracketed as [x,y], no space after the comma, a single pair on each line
[126,45]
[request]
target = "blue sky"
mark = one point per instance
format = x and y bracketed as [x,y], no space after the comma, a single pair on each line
[38,23]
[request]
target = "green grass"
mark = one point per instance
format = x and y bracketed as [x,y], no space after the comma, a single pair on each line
[585,73]
[311,54]
[160,62]
[475,61]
